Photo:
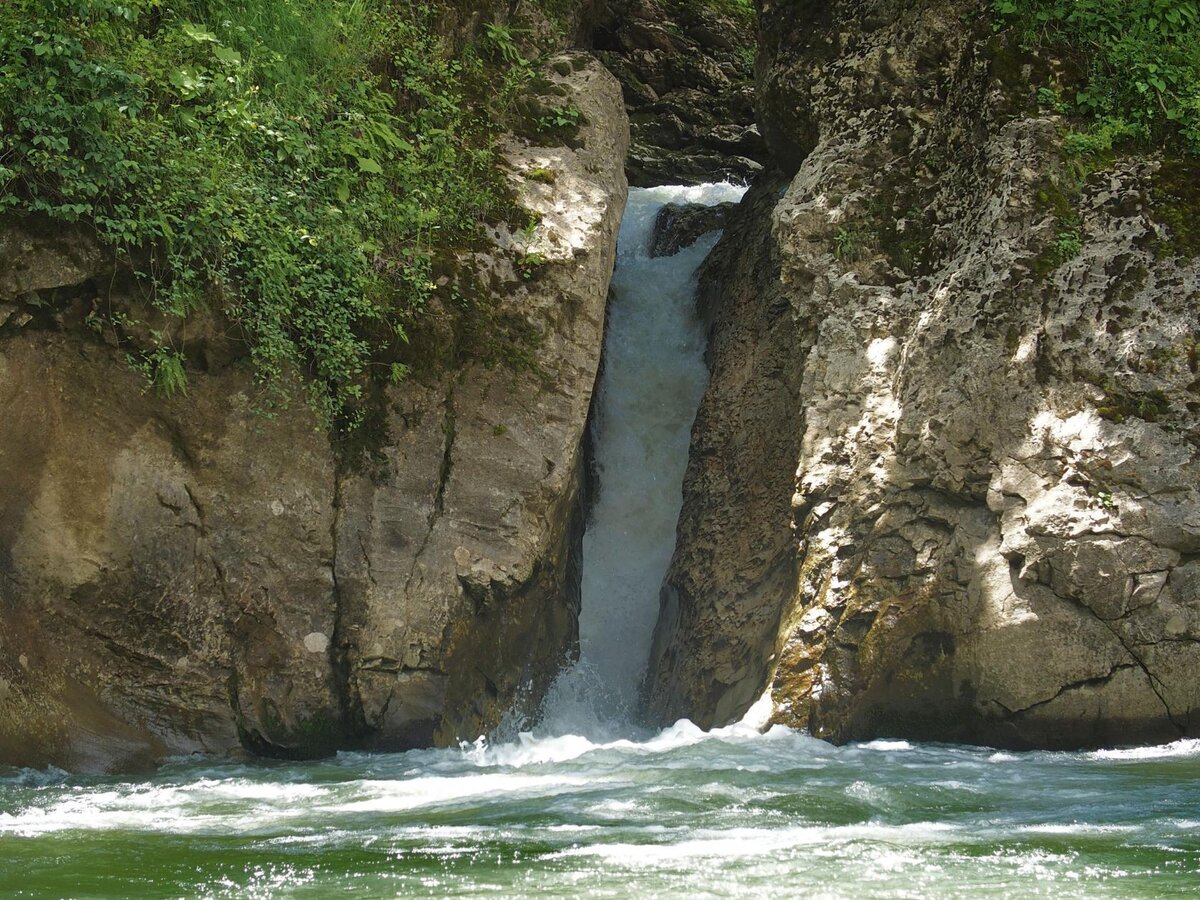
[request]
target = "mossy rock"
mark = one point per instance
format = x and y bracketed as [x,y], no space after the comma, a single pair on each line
[1149,406]
[1175,202]
[1018,71]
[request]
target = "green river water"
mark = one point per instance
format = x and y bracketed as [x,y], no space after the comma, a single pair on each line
[681,814]
[589,805]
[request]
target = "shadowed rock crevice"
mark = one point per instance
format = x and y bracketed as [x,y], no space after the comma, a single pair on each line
[686,71]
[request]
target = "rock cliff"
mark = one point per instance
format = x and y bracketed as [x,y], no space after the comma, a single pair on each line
[686,69]
[185,575]
[945,483]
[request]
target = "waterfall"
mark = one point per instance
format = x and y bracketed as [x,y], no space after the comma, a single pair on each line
[654,377]
[588,805]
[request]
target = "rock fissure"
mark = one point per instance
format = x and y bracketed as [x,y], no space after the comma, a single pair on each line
[447,464]
[1154,681]
[1083,683]
[348,712]
[195,502]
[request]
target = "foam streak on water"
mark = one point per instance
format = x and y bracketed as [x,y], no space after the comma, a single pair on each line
[586,805]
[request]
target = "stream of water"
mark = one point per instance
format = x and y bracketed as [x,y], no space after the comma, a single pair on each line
[589,805]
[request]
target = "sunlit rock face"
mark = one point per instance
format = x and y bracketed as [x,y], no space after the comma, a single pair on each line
[945,481]
[185,575]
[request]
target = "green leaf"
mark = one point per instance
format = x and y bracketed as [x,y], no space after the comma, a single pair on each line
[366,164]
[198,34]
[227,55]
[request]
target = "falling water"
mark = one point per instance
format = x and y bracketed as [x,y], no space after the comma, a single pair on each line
[653,379]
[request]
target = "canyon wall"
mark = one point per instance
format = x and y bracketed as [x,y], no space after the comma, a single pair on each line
[686,70]
[185,574]
[945,482]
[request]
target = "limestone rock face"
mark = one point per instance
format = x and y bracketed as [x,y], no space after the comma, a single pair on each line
[944,483]
[459,582]
[185,575]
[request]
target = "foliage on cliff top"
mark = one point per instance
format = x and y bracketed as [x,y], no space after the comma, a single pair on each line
[290,163]
[1138,65]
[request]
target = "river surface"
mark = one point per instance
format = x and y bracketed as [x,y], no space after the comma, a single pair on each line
[587,804]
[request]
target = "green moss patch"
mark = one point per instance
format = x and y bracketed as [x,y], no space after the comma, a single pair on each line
[1175,202]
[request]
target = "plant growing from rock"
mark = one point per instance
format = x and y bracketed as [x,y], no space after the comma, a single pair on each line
[292,166]
[1135,65]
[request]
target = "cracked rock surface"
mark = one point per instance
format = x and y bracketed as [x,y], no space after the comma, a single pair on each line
[686,69]
[945,483]
[184,575]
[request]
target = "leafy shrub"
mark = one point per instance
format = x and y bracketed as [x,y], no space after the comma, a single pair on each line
[1067,245]
[1137,61]
[291,164]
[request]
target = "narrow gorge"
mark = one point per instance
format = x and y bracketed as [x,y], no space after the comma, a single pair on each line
[941,485]
[599,448]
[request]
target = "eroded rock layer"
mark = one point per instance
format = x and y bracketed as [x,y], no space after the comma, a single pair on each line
[184,575]
[945,482]
[686,69]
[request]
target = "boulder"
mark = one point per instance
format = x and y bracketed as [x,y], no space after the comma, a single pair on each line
[679,225]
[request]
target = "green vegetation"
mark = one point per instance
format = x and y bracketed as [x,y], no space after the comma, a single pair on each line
[733,7]
[1130,80]
[530,264]
[845,245]
[1119,405]
[565,119]
[1067,244]
[1060,195]
[1176,196]
[1134,67]
[288,166]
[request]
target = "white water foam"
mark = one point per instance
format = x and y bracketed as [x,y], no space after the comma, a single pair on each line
[1182,748]
[531,749]
[750,842]
[399,795]
[887,746]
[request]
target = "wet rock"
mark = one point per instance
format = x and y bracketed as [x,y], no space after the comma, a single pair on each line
[737,140]
[680,225]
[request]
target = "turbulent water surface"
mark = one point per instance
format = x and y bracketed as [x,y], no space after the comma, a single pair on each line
[589,805]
